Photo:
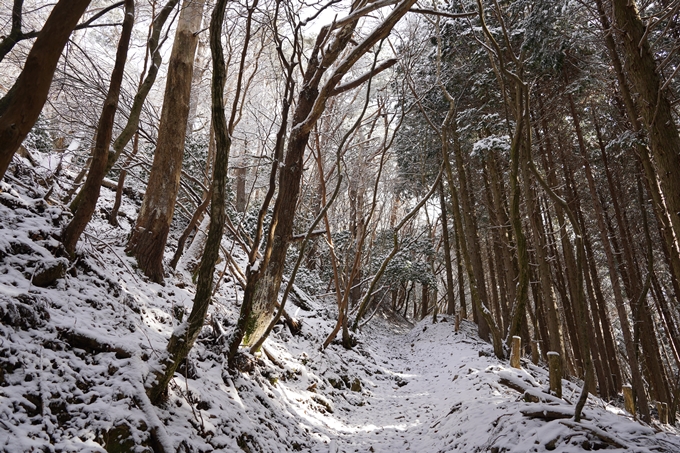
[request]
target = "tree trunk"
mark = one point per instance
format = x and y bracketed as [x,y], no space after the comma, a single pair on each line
[544,275]
[580,307]
[670,246]
[185,335]
[600,358]
[472,239]
[459,272]
[154,50]
[113,215]
[425,300]
[509,264]
[570,260]
[599,310]
[638,384]
[21,106]
[517,154]
[497,232]
[654,106]
[241,196]
[193,223]
[93,183]
[150,234]
[358,230]
[493,281]
[450,297]
[462,240]
[8,42]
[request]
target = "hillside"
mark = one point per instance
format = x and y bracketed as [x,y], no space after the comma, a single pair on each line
[76,351]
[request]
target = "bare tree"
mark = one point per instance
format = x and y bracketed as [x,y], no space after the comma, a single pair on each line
[264,278]
[100,155]
[21,106]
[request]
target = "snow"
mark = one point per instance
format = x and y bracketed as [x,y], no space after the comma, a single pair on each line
[75,357]
[491,143]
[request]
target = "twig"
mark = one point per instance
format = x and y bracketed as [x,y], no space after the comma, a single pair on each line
[89,236]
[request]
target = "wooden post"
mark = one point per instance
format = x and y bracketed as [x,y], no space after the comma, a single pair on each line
[663,412]
[555,368]
[457,321]
[535,352]
[628,399]
[516,352]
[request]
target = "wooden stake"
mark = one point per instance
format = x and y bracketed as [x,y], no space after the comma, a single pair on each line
[555,367]
[516,352]
[629,400]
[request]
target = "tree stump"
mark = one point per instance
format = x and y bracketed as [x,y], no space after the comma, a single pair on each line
[516,352]
[555,369]
[629,400]
[663,412]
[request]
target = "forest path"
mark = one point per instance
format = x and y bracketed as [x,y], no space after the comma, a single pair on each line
[434,390]
[416,388]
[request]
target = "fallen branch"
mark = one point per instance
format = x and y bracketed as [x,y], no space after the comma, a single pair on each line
[548,413]
[271,358]
[594,430]
[91,345]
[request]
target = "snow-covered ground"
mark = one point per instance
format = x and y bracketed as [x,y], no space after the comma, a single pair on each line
[75,351]
[434,390]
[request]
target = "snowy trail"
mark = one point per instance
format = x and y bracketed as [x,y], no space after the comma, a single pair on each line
[417,387]
[438,391]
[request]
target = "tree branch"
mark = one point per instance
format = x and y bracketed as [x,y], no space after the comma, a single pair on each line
[441,13]
[85,24]
[301,237]
[15,34]
[356,82]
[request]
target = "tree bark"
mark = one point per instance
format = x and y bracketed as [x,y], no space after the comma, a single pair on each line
[516,155]
[638,384]
[509,264]
[602,322]
[150,234]
[462,241]
[241,176]
[670,246]
[425,300]
[154,48]
[580,306]
[544,275]
[472,239]
[15,33]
